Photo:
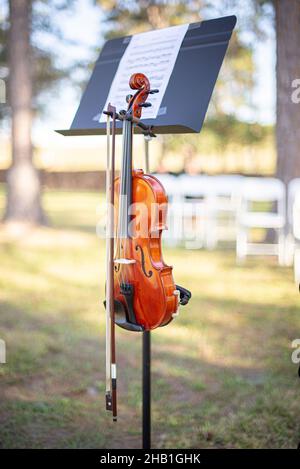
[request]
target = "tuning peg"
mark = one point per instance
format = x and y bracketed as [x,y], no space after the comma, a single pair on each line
[145,105]
[128,98]
[153,91]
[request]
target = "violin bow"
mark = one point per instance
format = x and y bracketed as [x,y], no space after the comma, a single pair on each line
[111,368]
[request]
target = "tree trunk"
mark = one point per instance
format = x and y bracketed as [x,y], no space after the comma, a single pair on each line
[288,70]
[23,185]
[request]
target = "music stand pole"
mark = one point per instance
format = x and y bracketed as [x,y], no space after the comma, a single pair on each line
[146,390]
[146,357]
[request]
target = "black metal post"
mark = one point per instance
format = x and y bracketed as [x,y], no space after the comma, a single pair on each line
[146,359]
[146,390]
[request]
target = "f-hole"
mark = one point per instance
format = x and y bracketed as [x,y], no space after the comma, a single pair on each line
[147,274]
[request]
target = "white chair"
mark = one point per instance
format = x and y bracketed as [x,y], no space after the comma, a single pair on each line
[198,221]
[210,207]
[293,202]
[261,190]
[169,182]
[226,190]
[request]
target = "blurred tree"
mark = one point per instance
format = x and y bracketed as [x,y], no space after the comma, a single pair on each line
[31,69]
[135,16]
[23,187]
[287,71]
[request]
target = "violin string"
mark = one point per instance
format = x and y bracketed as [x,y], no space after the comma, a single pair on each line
[121,200]
[117,246]
[126,201]
[119,220]
[123,192]
[120,210]
[128,190]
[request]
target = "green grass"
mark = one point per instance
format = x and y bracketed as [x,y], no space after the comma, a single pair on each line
[222,372]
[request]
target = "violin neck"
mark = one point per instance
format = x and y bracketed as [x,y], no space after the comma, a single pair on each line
[126,180]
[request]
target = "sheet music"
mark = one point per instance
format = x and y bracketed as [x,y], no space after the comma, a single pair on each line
[153,53]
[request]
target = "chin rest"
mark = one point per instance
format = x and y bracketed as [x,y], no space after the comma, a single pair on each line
[125,322]
[184,295]
[121,318]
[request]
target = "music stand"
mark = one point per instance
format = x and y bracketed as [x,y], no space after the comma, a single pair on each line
[182,110]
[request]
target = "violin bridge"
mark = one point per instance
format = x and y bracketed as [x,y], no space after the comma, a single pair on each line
[157,228]
[124,261]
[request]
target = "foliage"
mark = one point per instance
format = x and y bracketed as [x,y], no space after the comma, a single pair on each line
[236,81]
[219,135]
[46,72]
[131,17]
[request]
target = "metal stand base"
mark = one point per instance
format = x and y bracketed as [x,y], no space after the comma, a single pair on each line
[146,390]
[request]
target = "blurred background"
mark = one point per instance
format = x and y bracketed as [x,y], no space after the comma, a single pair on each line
[222,372]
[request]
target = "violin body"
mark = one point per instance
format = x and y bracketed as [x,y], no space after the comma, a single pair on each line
[144,286]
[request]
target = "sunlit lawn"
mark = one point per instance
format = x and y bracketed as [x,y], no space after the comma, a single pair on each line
[222,372]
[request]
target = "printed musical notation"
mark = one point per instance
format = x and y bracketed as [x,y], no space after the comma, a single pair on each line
[153,53]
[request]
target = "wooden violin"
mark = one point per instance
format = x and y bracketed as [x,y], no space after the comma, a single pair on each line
[141,293]
[144,290]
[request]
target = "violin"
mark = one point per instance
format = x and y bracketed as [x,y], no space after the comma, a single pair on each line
[141,293]
[144,289]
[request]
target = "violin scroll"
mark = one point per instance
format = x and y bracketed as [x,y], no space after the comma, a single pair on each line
[138,81]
